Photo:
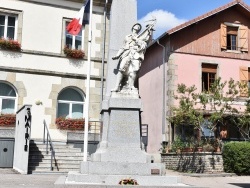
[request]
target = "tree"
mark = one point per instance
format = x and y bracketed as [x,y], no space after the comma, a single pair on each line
[217,106]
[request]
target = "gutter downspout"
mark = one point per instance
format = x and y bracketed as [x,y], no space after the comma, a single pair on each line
[164,91]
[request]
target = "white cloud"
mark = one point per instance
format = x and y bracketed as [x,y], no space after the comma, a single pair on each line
[165,21]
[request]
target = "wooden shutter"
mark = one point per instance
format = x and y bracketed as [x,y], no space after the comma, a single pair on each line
[223,36]
[244,81]
[243,38]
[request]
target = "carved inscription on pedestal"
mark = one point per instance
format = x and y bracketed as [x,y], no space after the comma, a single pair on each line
[124,127]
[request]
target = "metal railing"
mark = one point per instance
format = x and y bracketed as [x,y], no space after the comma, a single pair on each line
[144,135]
[95,130]
[47,139]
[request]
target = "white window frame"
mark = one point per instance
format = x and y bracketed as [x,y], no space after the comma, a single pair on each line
[73,37]
[70,106]
[71,102]
[8,97]
[6,25]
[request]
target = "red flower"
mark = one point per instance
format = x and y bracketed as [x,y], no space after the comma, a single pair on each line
[128,181]
[9,44]
[73,53]
[8,120]
[70,124]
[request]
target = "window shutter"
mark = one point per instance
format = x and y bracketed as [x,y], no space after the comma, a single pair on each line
[223,36]
[243,38]
[244,81]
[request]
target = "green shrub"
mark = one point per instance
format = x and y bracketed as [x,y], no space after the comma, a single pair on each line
[236,157]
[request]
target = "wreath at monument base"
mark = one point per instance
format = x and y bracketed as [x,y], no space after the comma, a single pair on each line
[128,181]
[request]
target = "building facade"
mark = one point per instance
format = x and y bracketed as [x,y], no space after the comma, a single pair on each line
[40,74]
[212,45]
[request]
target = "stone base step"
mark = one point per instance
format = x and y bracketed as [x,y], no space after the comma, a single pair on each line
[61,154]
[40,157]
[57,161]
[78,178]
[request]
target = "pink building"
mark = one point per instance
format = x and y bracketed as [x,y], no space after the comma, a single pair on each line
[215,44]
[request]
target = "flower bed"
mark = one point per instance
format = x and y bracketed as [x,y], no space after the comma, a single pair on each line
[9,44]
[7,120]
[73,53]
[70,124]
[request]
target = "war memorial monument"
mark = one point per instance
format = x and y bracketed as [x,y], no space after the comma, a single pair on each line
[120,153]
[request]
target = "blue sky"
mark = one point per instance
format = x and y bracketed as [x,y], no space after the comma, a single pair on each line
[170,13]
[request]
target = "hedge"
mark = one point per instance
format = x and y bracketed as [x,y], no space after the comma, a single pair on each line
[236,157]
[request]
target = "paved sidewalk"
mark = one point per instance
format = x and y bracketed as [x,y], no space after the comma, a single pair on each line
[10,179]
[213,180]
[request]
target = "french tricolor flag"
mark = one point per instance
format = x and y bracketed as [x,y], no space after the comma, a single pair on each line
[81,19]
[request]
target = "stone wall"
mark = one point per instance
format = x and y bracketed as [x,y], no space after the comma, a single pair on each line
[7,132]
[202,162]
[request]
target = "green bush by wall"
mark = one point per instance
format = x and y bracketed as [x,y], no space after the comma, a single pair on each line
[236,157]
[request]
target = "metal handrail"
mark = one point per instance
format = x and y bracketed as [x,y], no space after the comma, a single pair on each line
[49,142]
[144,135]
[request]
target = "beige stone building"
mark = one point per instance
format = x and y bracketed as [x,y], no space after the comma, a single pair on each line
[40,74]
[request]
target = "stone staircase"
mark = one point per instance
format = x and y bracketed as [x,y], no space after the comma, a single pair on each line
[67,157]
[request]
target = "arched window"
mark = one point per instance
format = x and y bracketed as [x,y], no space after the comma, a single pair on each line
[70,104]
[7,99]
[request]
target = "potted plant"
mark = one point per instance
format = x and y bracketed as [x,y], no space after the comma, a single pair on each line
[199,145]
[217,145]
[73,53]
[7,120]
[164,147]
[208,145]
[63,123]
[189,145]
[9,44]
[177,145]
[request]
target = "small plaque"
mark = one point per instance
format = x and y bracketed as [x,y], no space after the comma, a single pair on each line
[155,171]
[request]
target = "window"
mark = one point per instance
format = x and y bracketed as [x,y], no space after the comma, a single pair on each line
[234,37]
[70,104]
[7,99]
[208,75]
[185,131]
[8,26]
[74,42]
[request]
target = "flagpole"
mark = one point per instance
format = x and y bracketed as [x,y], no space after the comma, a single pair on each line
[86,127]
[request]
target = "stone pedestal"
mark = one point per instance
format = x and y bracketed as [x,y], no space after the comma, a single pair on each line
[121,150]
[121,140]
[120,153]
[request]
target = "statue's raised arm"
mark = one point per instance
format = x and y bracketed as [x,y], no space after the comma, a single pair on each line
[130,57]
